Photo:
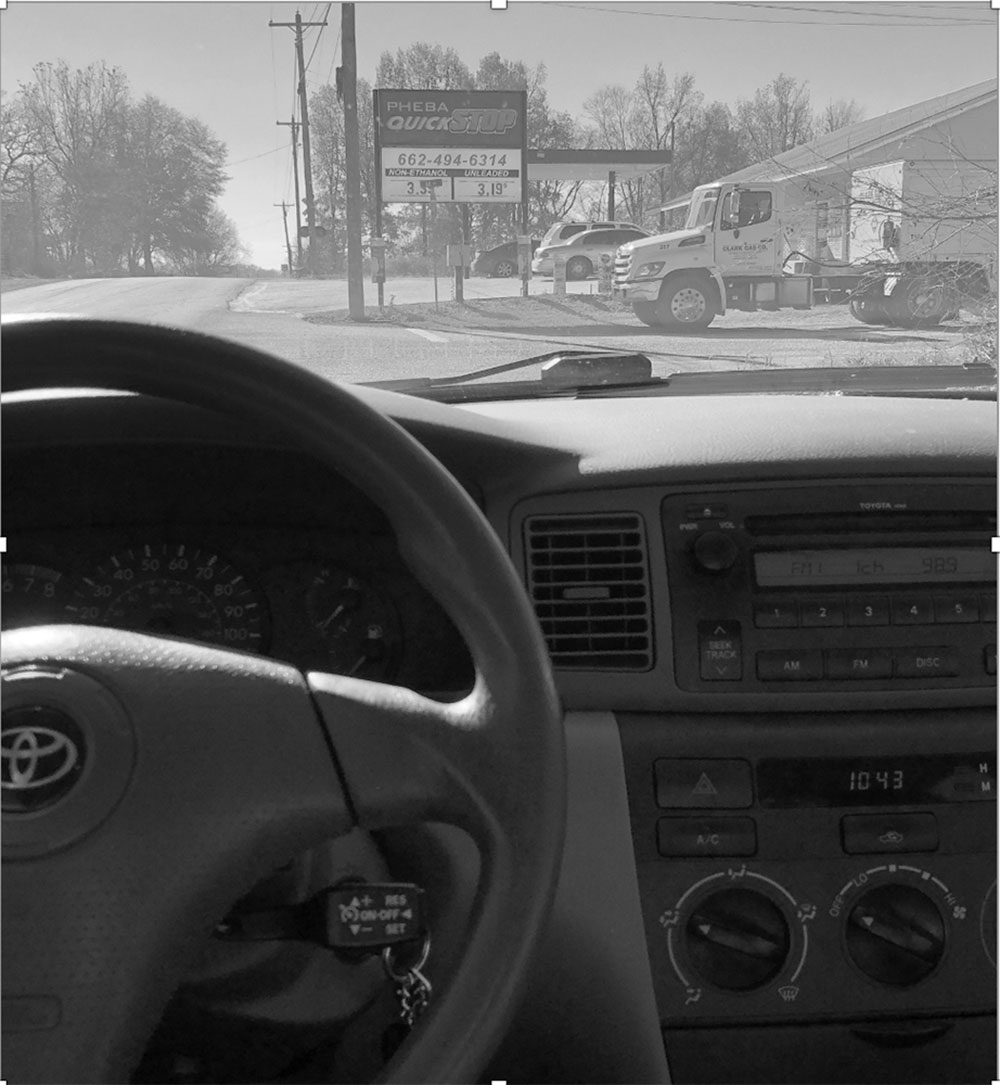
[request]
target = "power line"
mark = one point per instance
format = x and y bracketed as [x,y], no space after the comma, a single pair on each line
[252,157]
[866,14]
[319,35]
[733,19]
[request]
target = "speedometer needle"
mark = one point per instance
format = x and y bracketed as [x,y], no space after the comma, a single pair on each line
[338,611]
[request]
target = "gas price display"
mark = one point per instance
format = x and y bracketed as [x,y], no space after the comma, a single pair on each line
[891,565]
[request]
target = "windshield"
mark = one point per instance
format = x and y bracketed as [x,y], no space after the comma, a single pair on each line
[332,183]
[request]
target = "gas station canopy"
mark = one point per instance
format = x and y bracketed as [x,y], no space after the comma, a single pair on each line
[594,165]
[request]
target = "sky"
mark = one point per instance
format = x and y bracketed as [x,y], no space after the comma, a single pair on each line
[222,63]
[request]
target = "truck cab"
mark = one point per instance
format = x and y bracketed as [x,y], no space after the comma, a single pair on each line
[730,253]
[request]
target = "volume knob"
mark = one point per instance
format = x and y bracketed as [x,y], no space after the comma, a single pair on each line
[715,551]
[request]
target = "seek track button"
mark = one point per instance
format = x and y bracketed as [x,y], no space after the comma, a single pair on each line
[720,648]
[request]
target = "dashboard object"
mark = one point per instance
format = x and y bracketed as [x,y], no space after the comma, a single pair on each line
[174,589]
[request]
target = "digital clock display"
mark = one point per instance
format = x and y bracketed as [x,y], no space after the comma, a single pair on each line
[888,781]
[887,565]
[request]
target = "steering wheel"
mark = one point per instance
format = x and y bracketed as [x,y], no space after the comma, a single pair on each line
[197,771]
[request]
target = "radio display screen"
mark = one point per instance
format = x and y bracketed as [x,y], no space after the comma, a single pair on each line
[887,565]
[875,781]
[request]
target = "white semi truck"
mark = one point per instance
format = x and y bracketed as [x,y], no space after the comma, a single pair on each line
[896,254]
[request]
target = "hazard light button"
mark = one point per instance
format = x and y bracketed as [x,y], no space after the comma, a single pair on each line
[706,784]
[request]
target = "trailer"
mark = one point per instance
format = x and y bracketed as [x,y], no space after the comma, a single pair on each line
[900,243]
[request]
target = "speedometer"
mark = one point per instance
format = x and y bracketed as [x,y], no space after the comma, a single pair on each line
[173,589]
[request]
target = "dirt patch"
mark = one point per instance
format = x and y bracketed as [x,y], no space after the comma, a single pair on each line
[579,312]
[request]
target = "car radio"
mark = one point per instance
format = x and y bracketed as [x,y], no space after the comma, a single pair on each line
[875,585]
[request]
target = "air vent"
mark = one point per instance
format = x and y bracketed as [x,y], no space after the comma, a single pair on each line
[589,582]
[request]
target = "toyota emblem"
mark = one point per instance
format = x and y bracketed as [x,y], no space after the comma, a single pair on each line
[41,757]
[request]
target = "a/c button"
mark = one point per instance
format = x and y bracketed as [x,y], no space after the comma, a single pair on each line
[706,836]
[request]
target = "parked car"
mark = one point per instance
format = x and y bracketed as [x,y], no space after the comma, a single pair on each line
[501,261]
[584,251]
[563,231]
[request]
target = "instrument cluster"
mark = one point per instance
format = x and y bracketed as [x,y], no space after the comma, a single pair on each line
[344,605]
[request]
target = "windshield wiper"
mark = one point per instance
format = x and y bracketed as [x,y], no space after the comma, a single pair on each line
[586,374]
[568,370]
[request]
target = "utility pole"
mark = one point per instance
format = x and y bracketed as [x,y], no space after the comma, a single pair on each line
[294,125]
[288,244]
[306,157]
[352,165]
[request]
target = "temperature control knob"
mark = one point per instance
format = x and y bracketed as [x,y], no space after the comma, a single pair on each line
[737,939]
[895,934]
[715,551]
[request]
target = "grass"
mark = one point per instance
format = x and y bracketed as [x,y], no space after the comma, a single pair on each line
[497,314]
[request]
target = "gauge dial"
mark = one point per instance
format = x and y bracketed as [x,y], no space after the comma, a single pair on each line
[32,595]
[176,590]
[359,626]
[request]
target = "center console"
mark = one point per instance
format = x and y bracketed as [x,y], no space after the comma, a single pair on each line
[836,867]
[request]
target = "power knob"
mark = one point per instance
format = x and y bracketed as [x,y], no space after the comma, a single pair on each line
[895,934]
[737,939]
[715,551]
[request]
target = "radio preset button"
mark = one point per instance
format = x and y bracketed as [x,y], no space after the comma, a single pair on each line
[956,608]
[988,607]
[859,663]
[990,658]
[912,610]
[822,612]
[925,662]
[789,665]
[776,614]
[720,647]
[867,610]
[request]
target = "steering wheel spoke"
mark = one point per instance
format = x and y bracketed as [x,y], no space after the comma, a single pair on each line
[407,759]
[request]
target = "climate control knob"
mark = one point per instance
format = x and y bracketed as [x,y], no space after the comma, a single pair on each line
[737,939]
[895,934]
[715,551]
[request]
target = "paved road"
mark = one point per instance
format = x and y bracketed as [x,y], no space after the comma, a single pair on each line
[266,314]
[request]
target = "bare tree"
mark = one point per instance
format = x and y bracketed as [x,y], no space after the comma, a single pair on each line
[777,118]
[837,114]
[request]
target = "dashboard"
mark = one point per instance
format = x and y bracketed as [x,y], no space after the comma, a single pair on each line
[242,549]
[772,621]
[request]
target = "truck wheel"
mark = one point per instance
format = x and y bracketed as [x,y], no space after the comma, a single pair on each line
[646,312]
[503,269]
[918,303]
[578,267]
[869,310]
[685,303]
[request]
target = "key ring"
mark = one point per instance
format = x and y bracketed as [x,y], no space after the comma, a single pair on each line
[390,967]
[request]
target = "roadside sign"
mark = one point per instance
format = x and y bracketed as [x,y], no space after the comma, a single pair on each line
[450,146]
